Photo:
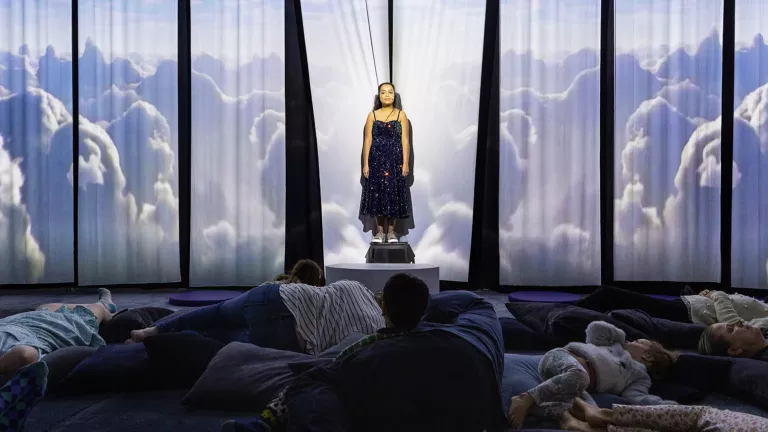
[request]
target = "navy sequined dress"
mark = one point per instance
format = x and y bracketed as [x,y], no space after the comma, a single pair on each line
[385,191]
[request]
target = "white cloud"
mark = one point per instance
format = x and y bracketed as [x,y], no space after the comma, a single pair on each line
[23,261]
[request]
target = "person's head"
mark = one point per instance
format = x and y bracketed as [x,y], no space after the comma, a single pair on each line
[736,340]
[386,97]
[652,354]
[404,301]
[282,277]
[307,272]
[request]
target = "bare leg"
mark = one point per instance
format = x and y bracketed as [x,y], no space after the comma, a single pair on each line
[591,414]
[17,358]
[103,309]
[518,409]
[571,423]
[391,226]
[379,224]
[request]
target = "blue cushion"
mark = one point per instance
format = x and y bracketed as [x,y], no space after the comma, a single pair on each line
[749,381]
[123,367]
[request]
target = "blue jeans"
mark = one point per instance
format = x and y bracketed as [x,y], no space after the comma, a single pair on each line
[258,316]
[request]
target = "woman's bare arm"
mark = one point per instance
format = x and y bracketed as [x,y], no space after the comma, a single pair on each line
[367,142]
[405,138]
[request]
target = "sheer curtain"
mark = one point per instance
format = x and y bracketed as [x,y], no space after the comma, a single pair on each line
[36,205]
[438,53]
[128,221]
[348,56]
[238,142]
[749,247]
[549,168]
[667,143]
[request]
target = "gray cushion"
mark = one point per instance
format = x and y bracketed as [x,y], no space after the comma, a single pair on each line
[245,377]
[63,361]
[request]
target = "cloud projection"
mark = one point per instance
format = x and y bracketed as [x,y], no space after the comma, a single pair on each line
[238,143]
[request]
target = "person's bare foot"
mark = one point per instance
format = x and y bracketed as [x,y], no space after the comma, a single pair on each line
[140,335]
[589,413]
[518,409]
[571,423]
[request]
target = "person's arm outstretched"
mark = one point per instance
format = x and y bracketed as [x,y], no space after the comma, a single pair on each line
[367,142]
[637,393]
[406,142]
[601,333]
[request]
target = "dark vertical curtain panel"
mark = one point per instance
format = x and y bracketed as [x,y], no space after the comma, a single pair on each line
[238,142]
[303,217]
[484,252]
[128,219]
[36,190]
[749,230]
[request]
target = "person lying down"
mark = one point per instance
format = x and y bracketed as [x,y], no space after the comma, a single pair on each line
[27,337]
[606,363]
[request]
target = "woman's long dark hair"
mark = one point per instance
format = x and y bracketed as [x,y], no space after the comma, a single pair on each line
[377,102]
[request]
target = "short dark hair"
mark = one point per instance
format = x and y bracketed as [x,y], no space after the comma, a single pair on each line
[712,344]
[405,298]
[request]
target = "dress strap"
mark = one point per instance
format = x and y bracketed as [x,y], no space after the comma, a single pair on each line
[374,114]
[398,115]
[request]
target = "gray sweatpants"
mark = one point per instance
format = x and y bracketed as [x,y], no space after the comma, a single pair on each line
[564,379]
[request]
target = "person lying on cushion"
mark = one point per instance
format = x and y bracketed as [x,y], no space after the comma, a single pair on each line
[440,373]
[633,418]
[697,309]
[26,337]
[290,316]
[606,363]
[403,302]
[735,334]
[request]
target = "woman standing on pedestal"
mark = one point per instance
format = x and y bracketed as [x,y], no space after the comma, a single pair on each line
[385,165]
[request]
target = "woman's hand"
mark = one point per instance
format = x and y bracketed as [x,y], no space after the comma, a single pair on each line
[708,293]
[365,170]
[405,170]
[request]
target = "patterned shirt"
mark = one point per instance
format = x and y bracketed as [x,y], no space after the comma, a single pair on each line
[326,315]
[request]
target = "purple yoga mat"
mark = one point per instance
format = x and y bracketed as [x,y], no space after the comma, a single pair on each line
[201,298]
[664,297]
[544,297]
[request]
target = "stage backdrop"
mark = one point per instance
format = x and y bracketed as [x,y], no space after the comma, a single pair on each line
[438,53]
[128,218]
[238,142]
[749,247]
[549,168]
[667,140]
[347,59]
[36,208]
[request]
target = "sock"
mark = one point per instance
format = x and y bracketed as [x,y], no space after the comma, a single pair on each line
[105,298]
[20,394]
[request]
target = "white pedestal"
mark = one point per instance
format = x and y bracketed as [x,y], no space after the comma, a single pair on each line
[374,276]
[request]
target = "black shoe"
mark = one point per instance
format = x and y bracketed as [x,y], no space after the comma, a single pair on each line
[687,291]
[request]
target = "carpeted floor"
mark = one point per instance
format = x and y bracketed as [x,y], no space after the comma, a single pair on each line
[127,298]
